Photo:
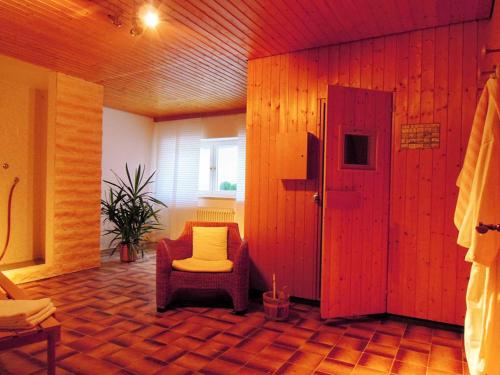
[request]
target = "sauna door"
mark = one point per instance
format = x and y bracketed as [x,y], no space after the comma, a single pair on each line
[356,202]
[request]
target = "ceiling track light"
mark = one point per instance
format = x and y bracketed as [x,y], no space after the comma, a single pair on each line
[116,19]
[136,29]
[144,17]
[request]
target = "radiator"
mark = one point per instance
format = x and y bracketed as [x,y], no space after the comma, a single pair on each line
[215,214]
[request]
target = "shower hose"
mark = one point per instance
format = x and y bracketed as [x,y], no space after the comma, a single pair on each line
[9,215]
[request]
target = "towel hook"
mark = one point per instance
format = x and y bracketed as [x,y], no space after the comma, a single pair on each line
[485,228]
[485,51]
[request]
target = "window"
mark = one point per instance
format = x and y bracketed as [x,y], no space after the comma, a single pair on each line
[218,171]
[357,149]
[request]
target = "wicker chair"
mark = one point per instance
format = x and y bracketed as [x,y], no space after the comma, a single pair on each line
[168,280]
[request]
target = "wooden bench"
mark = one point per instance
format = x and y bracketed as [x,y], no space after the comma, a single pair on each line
[49,329]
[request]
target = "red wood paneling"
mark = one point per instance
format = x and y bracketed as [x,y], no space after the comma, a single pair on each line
[195,61]
[431,72]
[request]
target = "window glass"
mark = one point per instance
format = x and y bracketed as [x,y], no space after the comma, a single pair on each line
[218,167]
[356,149]
[227,168]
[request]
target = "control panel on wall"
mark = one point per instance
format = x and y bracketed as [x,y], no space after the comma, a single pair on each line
[293,155]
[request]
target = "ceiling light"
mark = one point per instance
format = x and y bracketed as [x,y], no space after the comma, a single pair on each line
[150,17]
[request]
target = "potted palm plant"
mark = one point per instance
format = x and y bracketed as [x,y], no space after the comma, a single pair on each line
[132,210]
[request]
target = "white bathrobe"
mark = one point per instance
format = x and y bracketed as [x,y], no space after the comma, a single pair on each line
[479,201]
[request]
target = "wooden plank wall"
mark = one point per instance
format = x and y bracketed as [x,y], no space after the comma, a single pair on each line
[433,75]
[73,179]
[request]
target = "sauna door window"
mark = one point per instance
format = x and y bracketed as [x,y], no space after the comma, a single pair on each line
[357,150]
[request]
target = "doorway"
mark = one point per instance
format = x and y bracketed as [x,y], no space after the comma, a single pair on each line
[357,159]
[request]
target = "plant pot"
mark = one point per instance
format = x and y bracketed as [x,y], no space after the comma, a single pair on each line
[276,309]
[126,255]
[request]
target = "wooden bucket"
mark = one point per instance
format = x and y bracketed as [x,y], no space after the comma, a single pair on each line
[276,309]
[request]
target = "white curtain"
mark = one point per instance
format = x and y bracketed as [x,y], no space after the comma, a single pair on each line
[178,154]
[240,187]
[176,157]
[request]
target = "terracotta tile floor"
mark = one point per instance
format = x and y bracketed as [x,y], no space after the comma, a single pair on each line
[110,326]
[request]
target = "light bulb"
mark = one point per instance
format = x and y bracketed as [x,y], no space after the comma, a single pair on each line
[151,18]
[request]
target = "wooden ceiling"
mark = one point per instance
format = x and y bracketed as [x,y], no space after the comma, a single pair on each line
[195,61]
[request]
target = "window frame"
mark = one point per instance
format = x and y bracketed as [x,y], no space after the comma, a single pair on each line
[214,144]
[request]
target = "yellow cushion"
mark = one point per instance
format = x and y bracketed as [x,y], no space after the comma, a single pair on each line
[198,265]
[210,243]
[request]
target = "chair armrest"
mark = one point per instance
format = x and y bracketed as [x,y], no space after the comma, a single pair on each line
[173,249]
[242,259]
[166,251]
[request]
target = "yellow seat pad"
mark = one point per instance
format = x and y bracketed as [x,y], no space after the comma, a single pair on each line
[199,265]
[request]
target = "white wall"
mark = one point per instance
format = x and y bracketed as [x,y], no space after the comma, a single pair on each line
[126,138]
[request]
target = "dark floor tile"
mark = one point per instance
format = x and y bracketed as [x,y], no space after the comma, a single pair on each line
[352,343]
[173,369]
[404,368]
[266,335]
[359,333]
[444,341]
[328,338]
[204,333]
[445,364]
[385,339]
[277,352]
[382,350]
[292,369]
[375,362]
[192,361]
[418,336]
[13,362]
[332,366]
[219,366]
[289,341]
[145,365]
[103,351]
[84,364]
[447,334]
[227,339]
[147,346]
[212,349]
[411,356]
[345,355]
[189,343]
[306,359]
[251,371]
[361,370]
[316,347]
[85,344]
[252,345]
[169,353]
[447,352]
[238,356]
[241,329]
[264,364]
[415,346]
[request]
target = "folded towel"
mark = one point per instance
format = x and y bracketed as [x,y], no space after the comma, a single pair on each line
[20,320]
[22,309]
[32,322]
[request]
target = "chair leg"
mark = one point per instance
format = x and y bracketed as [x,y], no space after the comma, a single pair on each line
[240,312]
[240,303]
[51,355]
